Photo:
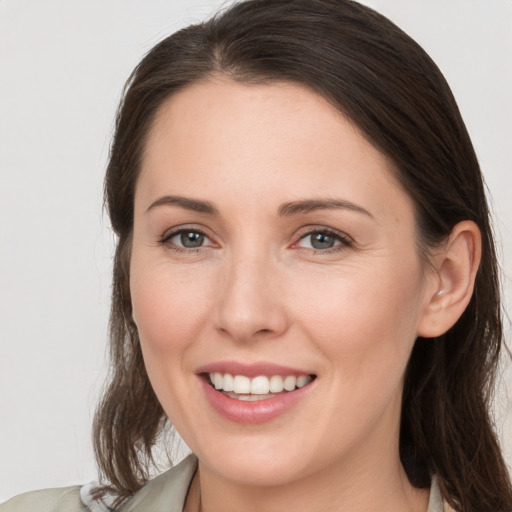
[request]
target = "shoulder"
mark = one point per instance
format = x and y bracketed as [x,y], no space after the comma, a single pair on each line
[65,499]
[165,492]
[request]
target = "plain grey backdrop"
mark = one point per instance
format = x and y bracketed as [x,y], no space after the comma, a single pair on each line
[62,67]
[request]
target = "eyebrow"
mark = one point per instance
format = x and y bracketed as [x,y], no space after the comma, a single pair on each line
[285,210]
[310,205]
[185,202]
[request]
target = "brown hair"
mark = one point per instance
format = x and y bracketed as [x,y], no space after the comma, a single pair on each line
[384,82]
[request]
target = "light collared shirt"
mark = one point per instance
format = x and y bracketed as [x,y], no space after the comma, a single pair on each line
[165,493]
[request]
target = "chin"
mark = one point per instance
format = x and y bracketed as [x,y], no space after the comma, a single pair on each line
[259,460]
[251,469]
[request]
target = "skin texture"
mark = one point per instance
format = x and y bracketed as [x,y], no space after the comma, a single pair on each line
[257,291]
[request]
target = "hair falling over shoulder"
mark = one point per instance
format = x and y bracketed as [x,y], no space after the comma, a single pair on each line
[387,85]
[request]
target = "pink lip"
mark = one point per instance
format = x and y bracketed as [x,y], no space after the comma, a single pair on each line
[251,369]
[252,412]
[260,411]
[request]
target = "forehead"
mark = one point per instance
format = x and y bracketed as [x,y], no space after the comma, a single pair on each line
[216,103]
[252,140]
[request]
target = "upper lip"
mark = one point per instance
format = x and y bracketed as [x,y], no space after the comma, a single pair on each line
[251,369]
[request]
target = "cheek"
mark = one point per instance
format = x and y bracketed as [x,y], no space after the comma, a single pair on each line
[166,305]
[365,327]
[366,322]
[170,310]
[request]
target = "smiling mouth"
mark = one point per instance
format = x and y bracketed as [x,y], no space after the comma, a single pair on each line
[240,387]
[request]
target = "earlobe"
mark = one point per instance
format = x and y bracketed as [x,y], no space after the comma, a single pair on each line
[455,267]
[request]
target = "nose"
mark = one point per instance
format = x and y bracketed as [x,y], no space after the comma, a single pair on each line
[251,303]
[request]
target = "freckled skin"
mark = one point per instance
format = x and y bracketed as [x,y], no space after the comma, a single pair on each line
[258,291]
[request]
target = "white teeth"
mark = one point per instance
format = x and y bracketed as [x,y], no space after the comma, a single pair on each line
[227,384]
[276,384]
[249,398]
[289,382]
[241,384]
[303,380]
[218,381]
[261,385]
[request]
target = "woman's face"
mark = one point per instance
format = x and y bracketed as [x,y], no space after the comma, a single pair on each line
[273,247]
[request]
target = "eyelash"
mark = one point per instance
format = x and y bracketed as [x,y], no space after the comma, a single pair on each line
[344,240]
[168,236]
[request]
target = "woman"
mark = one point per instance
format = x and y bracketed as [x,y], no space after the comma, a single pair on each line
[305,282]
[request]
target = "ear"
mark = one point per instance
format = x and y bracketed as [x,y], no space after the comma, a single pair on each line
[451,282]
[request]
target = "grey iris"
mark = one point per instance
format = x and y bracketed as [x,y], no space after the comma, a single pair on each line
[322,241]
[192,239]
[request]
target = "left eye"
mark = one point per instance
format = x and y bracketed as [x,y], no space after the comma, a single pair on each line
[321,240]
[188,239]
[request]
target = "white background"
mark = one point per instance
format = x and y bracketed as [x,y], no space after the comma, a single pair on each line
[62,66]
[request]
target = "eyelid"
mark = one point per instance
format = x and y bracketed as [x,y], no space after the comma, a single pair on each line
[169,234]
[344,239]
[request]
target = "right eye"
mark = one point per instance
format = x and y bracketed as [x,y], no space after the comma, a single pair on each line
[186,239]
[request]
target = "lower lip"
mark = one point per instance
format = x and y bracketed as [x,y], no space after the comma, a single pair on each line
[259,411]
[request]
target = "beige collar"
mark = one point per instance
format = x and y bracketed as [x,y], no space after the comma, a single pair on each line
[435,502]
[168,492]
